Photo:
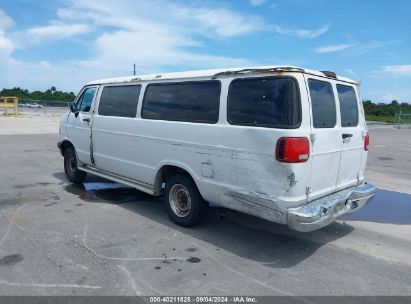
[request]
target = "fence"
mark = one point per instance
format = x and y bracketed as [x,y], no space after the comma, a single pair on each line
[32,107]
[33,103]
[35,107]
[402,120]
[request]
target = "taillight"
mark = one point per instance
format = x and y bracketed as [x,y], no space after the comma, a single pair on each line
[293,149]
[366,141]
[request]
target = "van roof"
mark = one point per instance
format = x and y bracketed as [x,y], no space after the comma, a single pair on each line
[217,73]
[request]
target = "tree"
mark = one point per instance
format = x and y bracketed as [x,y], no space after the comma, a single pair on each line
[50,94]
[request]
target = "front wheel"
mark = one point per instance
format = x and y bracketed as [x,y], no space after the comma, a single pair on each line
[73,174]
[183,201]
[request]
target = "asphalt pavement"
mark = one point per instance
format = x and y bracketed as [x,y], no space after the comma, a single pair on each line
[61,239]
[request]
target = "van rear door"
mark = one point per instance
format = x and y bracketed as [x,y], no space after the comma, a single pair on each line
[325,137]
[352,143]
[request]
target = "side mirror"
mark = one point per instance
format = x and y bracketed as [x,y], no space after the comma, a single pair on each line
[73,108]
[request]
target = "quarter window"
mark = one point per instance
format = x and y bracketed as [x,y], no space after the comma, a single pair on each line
[322,103]
[264,102]
[348,106]
[187,101]
[119,101]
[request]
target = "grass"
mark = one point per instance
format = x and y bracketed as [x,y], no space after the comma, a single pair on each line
[389,119]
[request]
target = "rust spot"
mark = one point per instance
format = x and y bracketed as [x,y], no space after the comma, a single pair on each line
[292,180]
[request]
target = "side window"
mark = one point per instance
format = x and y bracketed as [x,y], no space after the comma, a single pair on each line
[185,101]
[272,102]
[119,101]
[322,103]
[348,106]
[84,103]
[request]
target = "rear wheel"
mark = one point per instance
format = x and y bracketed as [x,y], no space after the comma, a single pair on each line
[183,201]
[73,174]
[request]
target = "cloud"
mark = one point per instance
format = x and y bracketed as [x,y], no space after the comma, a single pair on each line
[6,44]
[5,21]
[58,30]
[388,97]
[354,49]
[351,72]
[154,39]
[257,2]
[302,33]
[127,32]
[221,22]
[404,69]
[124,32]
[332,48]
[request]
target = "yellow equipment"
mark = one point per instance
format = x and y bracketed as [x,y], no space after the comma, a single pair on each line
[10,102]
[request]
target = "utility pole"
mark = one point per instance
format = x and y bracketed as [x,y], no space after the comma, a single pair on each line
[134,70]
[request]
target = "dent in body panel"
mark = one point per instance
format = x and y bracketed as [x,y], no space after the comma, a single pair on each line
[251,181]
[255,204]
[254,186]
[245,181]
[207,169]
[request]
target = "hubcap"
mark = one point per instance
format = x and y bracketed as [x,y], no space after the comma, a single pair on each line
[71,164]
[180,200]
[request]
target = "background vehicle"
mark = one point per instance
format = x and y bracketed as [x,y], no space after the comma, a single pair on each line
[33,105]
[281,143]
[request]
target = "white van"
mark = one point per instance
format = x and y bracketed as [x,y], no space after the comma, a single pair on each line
[282,143]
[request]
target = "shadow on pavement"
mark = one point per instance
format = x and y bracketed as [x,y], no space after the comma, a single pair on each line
[269,243]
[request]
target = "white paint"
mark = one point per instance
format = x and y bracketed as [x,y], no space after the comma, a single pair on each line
[100,256]
[232,166]
[48,285]
[200,74]
[244,276]
[130,279]
[5,235]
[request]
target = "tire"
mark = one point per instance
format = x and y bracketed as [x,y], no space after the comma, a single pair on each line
[183,202]
[73,174]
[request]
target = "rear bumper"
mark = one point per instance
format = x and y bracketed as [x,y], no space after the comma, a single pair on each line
[324,211]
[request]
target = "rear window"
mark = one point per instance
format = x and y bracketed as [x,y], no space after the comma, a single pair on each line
[348,106]
[271,102]
[184,101]
[322,103]
[120,101]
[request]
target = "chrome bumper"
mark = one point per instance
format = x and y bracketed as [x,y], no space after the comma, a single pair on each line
[324,211]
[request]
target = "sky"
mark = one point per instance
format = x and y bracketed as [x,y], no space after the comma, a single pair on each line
[66,43]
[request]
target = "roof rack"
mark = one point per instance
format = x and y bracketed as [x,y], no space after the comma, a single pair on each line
[269,70]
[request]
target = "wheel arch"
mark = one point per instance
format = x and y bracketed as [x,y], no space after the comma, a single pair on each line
[64,145]
[167,169]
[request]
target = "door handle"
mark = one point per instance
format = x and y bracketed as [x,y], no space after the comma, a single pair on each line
[346,135]
[86,119]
